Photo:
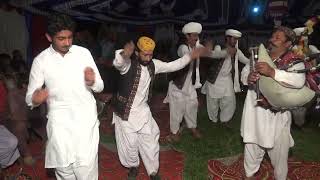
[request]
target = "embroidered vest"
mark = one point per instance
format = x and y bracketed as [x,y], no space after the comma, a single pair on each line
[179,77]
[127,88]
[214,69]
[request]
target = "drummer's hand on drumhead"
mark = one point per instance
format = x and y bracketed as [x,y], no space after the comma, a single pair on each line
[265,69]
[253,77]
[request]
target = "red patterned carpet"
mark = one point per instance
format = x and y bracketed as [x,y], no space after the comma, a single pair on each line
[171,166]
[171,162]
[219,169]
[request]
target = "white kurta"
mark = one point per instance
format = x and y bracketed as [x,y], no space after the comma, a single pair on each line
[183,102]
[262,129]
[224,85]
[72,128]
[313,49]
[221,94]
[299,114]
[140,133]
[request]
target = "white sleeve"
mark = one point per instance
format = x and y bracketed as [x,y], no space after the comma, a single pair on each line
[36,80]
[217,53]
[291,79]
[242,58]
[182,50]
[166,67]
[313,49]
[244,74]
[123,65]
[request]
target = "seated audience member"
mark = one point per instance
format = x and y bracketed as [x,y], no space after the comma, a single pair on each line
[5,61]
[8,142]
[18,121]
[17,63]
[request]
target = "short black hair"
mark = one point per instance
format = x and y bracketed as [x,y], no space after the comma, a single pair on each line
[59,22]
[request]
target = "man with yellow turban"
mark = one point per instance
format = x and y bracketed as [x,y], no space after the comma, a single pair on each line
[135,129]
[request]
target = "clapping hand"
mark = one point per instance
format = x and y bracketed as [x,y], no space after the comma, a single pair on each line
[201,51]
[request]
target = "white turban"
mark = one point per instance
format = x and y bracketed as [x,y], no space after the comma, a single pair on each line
[233,33]
[192,27]
[236,34]
[299,31]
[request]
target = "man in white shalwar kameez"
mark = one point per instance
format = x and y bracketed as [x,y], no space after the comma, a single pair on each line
[70,76]
[299,114]
[264,130]
[222,83]
[136,130]
[182,95]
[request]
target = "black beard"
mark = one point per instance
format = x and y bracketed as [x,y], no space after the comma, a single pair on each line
[144,63]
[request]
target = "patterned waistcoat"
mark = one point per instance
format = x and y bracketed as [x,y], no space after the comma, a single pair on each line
[127,88]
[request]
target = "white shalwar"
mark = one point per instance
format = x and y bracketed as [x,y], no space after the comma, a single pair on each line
[140,133]
[9,152]
[221,94]
[183,102]
[73,126]
[299,114]
[263,130]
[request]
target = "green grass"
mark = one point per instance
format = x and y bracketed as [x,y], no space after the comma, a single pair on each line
[217,142]
[307,144]
[220,142]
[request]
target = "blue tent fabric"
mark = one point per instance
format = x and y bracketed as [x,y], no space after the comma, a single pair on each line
[136,12]
[149,12]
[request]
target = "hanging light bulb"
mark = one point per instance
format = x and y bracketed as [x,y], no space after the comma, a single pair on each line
[255,8]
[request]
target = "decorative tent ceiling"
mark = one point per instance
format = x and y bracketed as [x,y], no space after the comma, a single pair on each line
[141,12]
[134,11]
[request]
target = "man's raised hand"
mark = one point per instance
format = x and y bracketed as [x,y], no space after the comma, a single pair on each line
[199,52]
[128,49]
